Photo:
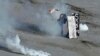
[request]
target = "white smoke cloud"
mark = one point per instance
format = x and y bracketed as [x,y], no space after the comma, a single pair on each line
[83,27]
[36,14]
[4,17]
[8,37]
[13,43]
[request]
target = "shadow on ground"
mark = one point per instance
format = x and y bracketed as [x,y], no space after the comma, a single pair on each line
[30,28]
